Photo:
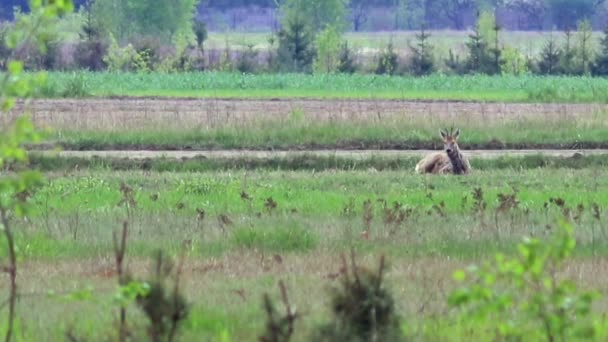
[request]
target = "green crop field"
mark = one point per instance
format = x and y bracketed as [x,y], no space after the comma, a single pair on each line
[267,86]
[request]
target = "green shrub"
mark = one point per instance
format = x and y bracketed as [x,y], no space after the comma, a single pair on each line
[363,309]
[525,297]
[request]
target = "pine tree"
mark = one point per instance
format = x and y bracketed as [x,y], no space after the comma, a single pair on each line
[346,62]
[600,67]
[296,46]
[496,53]
[550,58]
[422,58]
[479,58]
[566,63]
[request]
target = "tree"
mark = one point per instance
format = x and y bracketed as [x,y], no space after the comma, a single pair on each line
[600,67]
[454,11]
[533,9]
[328,49]
[479,59]
[319,13]
[296,50]
[566,62]
[169,21]
[549,58]
[566,13]
[585,51]
[359,10]
[346,62]
[422,58]
[16,186]
[388,63]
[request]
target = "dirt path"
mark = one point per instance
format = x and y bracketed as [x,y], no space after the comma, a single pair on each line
[206,114]
[358,154]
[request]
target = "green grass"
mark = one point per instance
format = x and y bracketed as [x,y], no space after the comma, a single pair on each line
[66,243]
[300,163]
[234,85]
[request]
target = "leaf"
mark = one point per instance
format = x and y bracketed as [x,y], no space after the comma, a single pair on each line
[459,275]
[15,67]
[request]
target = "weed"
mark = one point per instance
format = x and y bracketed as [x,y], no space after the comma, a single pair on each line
[279,329]
[362,308]
[165,308]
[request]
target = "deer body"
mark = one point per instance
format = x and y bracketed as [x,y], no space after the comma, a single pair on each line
[450,160]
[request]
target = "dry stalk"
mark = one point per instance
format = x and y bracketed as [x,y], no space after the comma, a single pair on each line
[11,270]
[119,255]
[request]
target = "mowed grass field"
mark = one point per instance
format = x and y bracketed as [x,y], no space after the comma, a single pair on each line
[242,231]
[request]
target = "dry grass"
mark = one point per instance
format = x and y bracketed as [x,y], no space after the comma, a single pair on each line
[208,114]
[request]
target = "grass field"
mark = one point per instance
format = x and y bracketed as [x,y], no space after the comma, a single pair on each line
[529,43]
[244,244]
[236,226]
[265,86]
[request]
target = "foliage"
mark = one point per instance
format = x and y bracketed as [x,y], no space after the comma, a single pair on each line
[296,46]
[164,305]
[346,60]
[584,49]
[200,32]
[567,62]
[92,46]
[421,62]
[514,62]
[525,294]
[119,58]
[169,21]
[17,187]
[479,59]
[600,67]
[317,13]
[278,328]
[328,50]
[550,56]
[388,61]
[363,309]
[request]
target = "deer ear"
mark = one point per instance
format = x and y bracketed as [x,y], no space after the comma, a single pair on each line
[457,133]
[443,134]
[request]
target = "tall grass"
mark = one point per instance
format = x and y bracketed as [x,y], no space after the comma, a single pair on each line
[233,85]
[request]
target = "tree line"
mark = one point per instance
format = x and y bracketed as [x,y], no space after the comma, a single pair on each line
[144,36]
[412,14]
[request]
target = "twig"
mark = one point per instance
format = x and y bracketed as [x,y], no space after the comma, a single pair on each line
[119,255]
[11,269]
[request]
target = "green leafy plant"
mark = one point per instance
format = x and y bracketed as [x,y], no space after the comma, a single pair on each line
[525,296]
[16,187]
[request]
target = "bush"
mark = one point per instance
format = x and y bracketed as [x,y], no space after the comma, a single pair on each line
[247,60]
[524,298]
[388,62]
[91,48]
[328,49]
[119,59]
[362,308]
[346,62]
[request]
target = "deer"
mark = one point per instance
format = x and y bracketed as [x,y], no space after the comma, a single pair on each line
[450,160]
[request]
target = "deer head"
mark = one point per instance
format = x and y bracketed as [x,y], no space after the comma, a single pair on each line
[450,140]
